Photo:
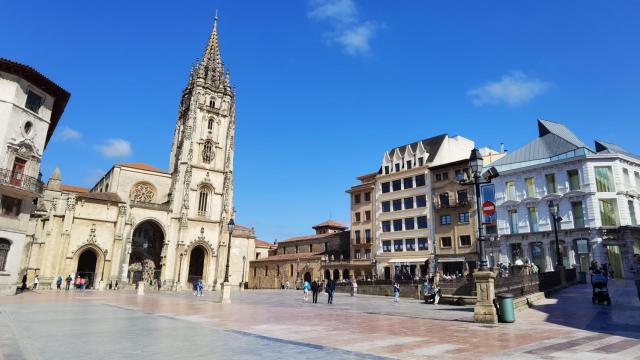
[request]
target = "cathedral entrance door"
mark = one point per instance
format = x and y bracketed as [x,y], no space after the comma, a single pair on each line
[146,252]
[87,267]
[196,265]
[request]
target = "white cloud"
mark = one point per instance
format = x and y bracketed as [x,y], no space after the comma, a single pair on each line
[514,88]
[113,148]
[67,133]
[347,30]
[343,11]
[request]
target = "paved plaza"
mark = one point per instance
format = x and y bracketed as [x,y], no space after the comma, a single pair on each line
[272,324]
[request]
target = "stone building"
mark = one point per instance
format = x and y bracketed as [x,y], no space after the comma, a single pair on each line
[403,204]
[362,238]
[140,222]
[30,107]
[597,193]
[322,256]
[454,218]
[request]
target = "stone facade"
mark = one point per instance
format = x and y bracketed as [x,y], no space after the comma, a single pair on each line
[141,223]
[363,237]
[322,256]
[30,107]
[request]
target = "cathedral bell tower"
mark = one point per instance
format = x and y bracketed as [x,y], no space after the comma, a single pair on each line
[201,162]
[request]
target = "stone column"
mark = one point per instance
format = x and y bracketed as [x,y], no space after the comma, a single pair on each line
[484,311]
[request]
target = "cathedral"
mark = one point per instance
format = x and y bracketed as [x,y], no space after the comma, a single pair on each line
[141,223]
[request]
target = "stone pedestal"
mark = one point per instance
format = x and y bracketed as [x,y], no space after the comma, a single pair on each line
[140,288]
[225,293]
[563,276]
[101,285]
[484,311]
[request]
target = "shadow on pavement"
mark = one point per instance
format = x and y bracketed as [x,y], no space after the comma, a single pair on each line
[574,309]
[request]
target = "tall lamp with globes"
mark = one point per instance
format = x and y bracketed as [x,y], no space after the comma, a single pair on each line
[225,293]
[484,311]
[553,211]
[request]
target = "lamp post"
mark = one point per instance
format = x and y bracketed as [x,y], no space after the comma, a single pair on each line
[484,310]
[244,262]
[553,211]
[476,163]
[225,296]
[230,226]
[106,252]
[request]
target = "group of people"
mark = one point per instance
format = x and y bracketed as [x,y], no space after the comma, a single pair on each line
[605,269]
[315,287]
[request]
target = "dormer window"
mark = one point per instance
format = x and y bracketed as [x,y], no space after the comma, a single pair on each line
[34,101]
[386,170]
[420,161]
[397,166]
[408,164]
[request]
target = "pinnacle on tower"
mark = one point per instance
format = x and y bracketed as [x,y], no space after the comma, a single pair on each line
[211,68]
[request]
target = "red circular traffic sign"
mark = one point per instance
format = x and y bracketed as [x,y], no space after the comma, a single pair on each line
[488,208]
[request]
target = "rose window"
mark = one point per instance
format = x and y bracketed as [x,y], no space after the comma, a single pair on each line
[143,192]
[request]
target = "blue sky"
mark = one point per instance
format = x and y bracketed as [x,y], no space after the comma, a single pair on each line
[325,87]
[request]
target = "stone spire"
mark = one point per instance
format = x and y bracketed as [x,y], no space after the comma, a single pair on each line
[211,68]
[54,180]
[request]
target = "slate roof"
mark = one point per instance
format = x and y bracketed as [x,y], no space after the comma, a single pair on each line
[142,166]
[103,196]
[289,257]
[431,146]
[553,139]
[609,148]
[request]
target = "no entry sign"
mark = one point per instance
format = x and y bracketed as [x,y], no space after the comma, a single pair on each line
[488,208]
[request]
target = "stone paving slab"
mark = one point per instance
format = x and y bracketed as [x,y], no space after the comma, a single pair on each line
[278,324]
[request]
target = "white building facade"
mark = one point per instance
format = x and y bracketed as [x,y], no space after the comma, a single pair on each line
[30,107]
[597,197]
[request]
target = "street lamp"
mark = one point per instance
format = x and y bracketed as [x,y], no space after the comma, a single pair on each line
[553,211]
[230,226]
[106,252]
[244,262]
[476,163]
[180,267]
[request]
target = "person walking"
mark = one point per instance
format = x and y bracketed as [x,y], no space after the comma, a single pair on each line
[306,287]
[159,284]
[59,283]
[36,281]
[24,283]
[354,288]
[315,287]
[396,292]
[115,287]
[68,281]
[331,287]
[286,285]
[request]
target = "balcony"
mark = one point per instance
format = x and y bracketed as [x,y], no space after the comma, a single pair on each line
[27,185]
[452,204]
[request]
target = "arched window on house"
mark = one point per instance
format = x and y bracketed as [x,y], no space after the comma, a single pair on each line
[291,270]
[210,125]
[4,253]
[204,194]
[266,270]
[277,270]
[207,152]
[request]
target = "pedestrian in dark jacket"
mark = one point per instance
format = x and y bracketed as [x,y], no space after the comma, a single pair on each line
[331,287]
[315,287]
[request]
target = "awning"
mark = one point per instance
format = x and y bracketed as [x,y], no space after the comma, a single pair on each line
[408,260]
[451,259]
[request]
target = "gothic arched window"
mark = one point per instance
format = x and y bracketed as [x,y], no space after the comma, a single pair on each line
[4,253]
[207,152]
[210,125]
[204,194]
[142,192]
[212,103]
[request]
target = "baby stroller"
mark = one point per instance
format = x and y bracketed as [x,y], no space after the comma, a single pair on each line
[600,290]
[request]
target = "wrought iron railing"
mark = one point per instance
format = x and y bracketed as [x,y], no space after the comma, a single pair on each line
[20,180]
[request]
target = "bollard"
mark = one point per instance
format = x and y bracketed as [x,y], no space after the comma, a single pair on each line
[140,287]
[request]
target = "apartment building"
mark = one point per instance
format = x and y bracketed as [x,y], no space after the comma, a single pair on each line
[362,236]
[403,204]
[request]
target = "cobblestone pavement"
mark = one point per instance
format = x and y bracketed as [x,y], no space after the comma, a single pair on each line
[272,324]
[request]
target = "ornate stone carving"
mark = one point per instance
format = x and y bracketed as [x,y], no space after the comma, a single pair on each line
[92,235]
[71,203]
[143,192]
[122,210]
